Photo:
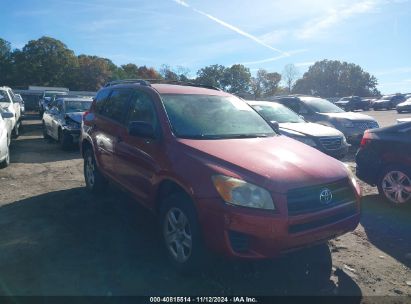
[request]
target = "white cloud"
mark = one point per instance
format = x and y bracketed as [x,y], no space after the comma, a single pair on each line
[334,16]
[233,28]
[274,58]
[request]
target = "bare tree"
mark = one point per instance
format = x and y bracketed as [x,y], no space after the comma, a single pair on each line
[290,75]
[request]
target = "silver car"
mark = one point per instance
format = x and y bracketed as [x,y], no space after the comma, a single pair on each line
[323,112]
[62,120]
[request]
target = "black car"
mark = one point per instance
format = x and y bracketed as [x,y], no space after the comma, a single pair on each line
[62,121]
[388,102]
[384,160]
[352,103]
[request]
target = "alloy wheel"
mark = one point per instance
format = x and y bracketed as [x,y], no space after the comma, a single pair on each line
[397,187]
[177,234]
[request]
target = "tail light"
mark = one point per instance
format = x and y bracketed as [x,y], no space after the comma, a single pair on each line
[85,114]
[367,137]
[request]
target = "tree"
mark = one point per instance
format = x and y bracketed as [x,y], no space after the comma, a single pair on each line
[167,73]
[5,61]
[45,61]
[91,73]
[237,79]
[336,79]
[290,75]
[212,75]
[265,84]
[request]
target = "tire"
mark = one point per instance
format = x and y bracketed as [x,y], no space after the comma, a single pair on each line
[45,135]
[181,234]
[395,176]
[6,162]
[16,130]
[312,265]
[399,111]
[95,181]
[65,140]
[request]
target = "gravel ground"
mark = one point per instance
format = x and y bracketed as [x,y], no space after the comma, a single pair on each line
[57,239]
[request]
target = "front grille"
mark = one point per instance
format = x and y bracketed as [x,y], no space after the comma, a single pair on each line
[322,222]
[307,199]
[239,241]
[365,125]
[331,143]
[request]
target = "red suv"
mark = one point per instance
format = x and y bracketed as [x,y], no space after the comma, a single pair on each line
[215,172]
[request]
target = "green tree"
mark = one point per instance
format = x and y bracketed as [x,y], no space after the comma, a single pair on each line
[237,79]
[5,62]
[265,84]
[212,75]
[330,78]
[91,73]
[45,61]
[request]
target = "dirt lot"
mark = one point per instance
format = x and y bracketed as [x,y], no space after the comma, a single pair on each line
[57,239]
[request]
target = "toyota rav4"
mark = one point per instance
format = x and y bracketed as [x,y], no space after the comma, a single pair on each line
[215,172]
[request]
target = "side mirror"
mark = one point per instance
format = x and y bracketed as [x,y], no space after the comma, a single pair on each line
[275,126]
[7,115]
[141,129]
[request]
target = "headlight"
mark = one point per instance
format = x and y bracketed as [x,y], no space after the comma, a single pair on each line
[305,140]
[238,192]
[346,123]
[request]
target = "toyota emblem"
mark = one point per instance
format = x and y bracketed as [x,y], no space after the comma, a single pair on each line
[326,196]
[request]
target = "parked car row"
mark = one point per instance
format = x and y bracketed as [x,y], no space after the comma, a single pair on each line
[388,102]
[10,122]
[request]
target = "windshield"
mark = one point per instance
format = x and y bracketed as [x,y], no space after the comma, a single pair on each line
[4,98]
[320,105]
[278,113]
[213,117]
[77,106]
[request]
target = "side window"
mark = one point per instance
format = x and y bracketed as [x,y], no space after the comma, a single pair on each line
[142,109]
[303,109]
[101,99]
[115,105]
[4,97]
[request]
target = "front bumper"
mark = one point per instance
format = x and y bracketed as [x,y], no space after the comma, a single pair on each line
[73,133]
[381,106]
[256,234]
[404,108]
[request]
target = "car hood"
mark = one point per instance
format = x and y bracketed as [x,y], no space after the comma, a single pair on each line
[349,116]
[76,116]
[342,102]
[405,103]
[381,101]
[310,129]
[276,163]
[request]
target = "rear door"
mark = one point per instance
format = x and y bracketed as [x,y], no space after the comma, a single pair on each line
[136,157]
[109,117]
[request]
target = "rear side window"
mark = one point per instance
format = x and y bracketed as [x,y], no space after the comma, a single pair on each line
[142,109]
[114,107]
[101,99]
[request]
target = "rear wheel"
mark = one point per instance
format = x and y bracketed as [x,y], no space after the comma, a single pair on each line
[395,185]
[181,233]
[95,181]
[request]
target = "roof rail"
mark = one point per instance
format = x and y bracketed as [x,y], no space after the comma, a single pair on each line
[148,82]
[122,81]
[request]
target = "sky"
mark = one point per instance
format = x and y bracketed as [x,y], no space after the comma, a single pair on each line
[268,34]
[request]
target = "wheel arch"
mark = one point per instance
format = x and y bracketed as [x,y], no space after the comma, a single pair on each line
[167,187]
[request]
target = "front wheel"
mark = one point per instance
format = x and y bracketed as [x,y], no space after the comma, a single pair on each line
[395,185]
[95,181]
[16,130]
[6,161]
[181,233]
